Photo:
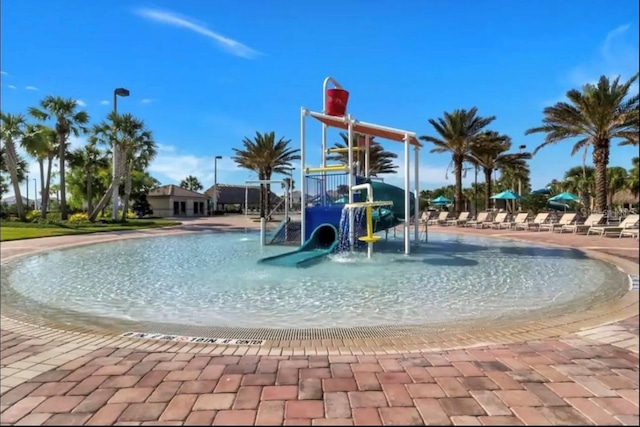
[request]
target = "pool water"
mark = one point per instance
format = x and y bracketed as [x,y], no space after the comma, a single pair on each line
[214,279]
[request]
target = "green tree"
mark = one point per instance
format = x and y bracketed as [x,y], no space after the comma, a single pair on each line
[13,128]
[633,181]
[90,160]
[597,115]
[41,144]
[191,183]
[617,178]
[381,161]
[265,155]
[68,121]
[457,132]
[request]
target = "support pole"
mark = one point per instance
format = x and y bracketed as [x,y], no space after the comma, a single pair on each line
[303,184]
[286,211]
[352,234]
[407,195]
[416,186]
[246,200]
[367,155]
[263,231]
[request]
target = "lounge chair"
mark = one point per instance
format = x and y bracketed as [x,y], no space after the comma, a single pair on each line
[441,219]
[482,217]
[462,218]
[629,222]
[541,218]
[566,219]
[593,219]
[521,218]
[630,232]
[425,217]
[500,219]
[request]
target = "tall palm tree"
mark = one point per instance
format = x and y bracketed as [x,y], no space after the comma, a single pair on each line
[41,143]
[598,114]
[265,155]
[22,169]
[489,153]
[13,129]
[68,121]
[191,183]
[581,180]
[90,160]
[457,132]
[380,160]
[138,155]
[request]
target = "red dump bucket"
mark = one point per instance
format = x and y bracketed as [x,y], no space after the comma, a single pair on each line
[337,102]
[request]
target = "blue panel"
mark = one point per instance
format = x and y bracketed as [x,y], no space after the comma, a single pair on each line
[318,215]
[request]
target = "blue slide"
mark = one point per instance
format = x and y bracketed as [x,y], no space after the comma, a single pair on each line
[322,242]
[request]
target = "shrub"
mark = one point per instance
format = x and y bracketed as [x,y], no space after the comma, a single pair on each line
[79,217]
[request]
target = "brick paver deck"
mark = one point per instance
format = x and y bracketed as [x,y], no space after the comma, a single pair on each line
[587,377]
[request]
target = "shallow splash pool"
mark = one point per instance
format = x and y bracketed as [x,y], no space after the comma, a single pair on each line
[215,280]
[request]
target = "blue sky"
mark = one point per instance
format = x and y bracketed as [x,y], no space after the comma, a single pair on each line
[204,74]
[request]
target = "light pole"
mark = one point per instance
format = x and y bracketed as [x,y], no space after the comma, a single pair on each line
[27,192]
[35,195]
[114,194]
[290,189]
[215,183]
[520,148]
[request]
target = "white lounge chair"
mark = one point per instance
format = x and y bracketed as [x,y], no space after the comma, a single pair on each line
[602,230]
[500,219]
[593,219]
[566,219]
[629,232]
[521,218]
[441,219]
[482,217]
[462,218]
[541,218]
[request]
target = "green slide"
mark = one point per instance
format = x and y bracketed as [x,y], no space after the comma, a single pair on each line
[322,242]
[387,218]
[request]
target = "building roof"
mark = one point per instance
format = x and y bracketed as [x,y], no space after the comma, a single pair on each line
[229,194]
[175,191]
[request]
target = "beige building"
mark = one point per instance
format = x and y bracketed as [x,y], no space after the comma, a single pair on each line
[172,200]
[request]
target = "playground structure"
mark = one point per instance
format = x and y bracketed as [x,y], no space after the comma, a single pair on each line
[382,205]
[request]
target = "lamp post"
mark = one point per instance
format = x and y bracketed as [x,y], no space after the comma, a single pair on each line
[27,176]
[35,195]
[215,183]
[114,195]
[520,148]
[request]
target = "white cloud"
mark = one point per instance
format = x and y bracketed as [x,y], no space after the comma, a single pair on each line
[616,56]
[81,103]
[233,47]
[31,88]
[11,87]
[4,73]
[146,101]
[104,102]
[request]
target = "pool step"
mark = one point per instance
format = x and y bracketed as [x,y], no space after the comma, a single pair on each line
[634,281]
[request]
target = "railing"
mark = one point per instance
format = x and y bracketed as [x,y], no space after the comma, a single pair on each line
[325,190]
[287,233]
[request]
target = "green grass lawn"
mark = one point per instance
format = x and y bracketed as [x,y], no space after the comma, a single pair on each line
[12,230]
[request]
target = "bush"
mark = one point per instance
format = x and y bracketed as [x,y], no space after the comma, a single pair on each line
[79,217]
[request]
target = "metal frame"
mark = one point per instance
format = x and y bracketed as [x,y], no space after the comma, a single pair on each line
[350,122]
[263,222]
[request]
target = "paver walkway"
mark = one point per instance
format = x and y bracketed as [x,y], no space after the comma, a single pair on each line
[590,377]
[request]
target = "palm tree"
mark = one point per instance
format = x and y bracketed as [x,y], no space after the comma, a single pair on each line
[265,155]
[191,183]
[22,168]
[457,132]
[489,153]
[14,128]
[380,160]
[90,160]
[598,114]
[69,121]
[633,181]
[616,181]
[40,143]
[140,150]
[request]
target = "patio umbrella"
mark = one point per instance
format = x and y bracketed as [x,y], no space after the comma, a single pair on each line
[564,197]
[441,200]
[506,195]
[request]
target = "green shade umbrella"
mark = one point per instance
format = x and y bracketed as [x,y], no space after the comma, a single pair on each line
[506,195]
[440,200]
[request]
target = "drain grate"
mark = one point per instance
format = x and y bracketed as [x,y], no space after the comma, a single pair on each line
[634,281]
